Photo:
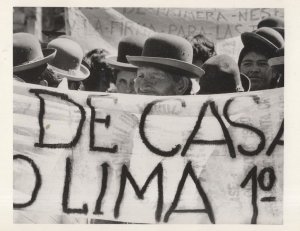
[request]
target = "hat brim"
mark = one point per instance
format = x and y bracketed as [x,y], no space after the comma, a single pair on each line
[78,75]
[246,83]
[280,30]
[276,61]
[251,39]
[49,54]
[166,63]
[112,61]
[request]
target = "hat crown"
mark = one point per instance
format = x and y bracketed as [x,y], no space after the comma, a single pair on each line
[264,38]
[131,45]
[272,35]
[222,75]
[168,46]
[271,22]
[26,48]
[69,54]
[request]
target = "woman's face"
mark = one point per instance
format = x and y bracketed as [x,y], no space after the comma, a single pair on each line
[153,81]
[125,82]
[256,67]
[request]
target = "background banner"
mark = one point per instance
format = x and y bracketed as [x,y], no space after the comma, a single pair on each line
[148,159]
[106,26]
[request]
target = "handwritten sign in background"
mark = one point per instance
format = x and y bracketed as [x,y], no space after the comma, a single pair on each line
[104,27]
[90,156]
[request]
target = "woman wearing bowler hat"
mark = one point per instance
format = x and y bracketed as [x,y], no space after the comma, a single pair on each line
[165,67]
[124,72]
[259,46]
[30,60]
[67,63]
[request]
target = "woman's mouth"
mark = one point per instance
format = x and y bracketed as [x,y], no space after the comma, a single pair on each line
[146,91]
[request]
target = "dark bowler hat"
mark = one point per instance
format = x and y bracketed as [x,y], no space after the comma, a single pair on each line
[67,62]
[274,22]
[169,52]
[222,75]
[278,59]
[28,54]
[264,36]
[131,45]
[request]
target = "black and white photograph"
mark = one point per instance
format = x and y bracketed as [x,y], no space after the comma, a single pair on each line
[148,115]
[160,115]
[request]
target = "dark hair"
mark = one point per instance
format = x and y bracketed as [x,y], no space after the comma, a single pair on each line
[277,76]
[257,49]
[50,77]
[32,75]
[115,72]
[94,56]
[99,70]
[203,48]
[177,77]
[37,74]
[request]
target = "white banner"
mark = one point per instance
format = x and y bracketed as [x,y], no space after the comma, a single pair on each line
[146,159]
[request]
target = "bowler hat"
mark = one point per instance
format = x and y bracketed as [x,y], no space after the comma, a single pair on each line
[274,22]
[131,45]
[278,59]
[67,61]
[27,52]
[222,75]
[169,52]
[72,38]
[265,37]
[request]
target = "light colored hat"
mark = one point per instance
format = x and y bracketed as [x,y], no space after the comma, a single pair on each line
[28,54]
[67,62]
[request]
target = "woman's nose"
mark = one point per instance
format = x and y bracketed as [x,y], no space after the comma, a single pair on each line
[256,68]
[149,79]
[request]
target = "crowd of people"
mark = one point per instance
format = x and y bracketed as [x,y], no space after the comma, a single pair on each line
[161,64]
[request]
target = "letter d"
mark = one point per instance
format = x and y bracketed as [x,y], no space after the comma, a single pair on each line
[64,97]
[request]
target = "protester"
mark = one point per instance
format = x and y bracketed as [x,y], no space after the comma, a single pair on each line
[277,65]
[124,72]
[203,49]
[165,67]
[273,22]
[259,46]
[67,62]
[222,75]
[30,60]
[101,77]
